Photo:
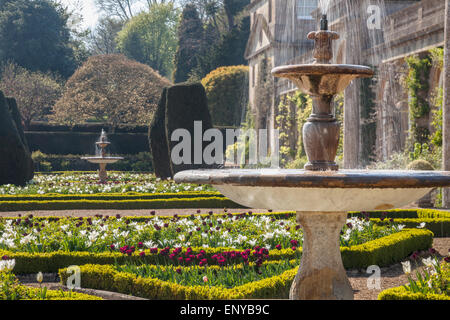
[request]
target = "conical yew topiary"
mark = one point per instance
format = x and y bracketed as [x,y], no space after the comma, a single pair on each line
[16,165]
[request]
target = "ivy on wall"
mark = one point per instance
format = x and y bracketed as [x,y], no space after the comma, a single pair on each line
[292,113]
[417,82]
[437,56]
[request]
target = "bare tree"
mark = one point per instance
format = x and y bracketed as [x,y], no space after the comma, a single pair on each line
[122,9]
[35,92]
[103,39]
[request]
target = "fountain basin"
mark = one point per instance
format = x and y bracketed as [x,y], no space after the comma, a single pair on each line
[104,160]
[328,191]
[322,79]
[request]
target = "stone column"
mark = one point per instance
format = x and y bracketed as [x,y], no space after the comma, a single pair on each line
[102,173]
[321,275]
[446,104]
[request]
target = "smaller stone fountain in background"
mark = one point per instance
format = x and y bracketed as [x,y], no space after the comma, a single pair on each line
[102,159]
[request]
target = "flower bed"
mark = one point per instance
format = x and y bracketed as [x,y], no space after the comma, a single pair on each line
[12,289]
[106,277]
[383,251]
[104,233]
[87,183]
[433,283]
[247,274]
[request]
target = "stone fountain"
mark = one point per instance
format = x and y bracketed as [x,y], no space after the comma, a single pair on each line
[321,194]
[102,159]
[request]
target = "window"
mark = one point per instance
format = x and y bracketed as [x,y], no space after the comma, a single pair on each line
[305,7]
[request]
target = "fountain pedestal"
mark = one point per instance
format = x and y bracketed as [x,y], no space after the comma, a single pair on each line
[321,275]
[103,159]
[321,194]
[102,174]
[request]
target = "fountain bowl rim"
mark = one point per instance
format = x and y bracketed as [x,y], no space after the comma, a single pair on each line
[295,178]
[322,69]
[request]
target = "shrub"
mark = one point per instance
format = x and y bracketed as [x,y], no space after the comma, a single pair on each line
[83,143]
[16,165]
[420,165]
[35,92]
[157,140]
[186,104]
[226,89]
[400,293]
[107,278]
[175,203]
[110,88]
[141,162]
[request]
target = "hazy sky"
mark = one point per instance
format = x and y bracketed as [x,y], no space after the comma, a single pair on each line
[89,12]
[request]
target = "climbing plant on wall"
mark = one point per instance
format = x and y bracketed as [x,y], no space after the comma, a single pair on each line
[437,55]
[292,113]
[417,82]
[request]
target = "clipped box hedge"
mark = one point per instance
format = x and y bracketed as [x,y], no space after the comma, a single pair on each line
[404,213]
[437,221]
[57,295]
[110,196]
[400,293]
[384,251]
[105,277]
[439,226]
[171,203]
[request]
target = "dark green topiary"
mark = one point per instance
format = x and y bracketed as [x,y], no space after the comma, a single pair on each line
[190,33]
[16,165]
[186,103]
[158,141]
[15,113]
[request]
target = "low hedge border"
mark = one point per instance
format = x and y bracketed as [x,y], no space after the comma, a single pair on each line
[173,203]
[384,251]
[439,226]
[400,293]
[403,213]
[57,295]
[387,250]
[105,277]
[110,196]
[275,215]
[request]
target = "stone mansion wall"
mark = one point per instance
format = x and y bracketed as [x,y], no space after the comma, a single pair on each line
[407,28]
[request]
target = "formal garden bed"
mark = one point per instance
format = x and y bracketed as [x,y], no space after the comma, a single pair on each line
[224,255]
[202,256]
[124,191]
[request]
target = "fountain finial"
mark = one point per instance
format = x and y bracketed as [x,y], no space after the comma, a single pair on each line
[323,38]
[324,23]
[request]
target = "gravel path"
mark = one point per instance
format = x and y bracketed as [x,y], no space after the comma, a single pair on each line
[391,276]
[146,212]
